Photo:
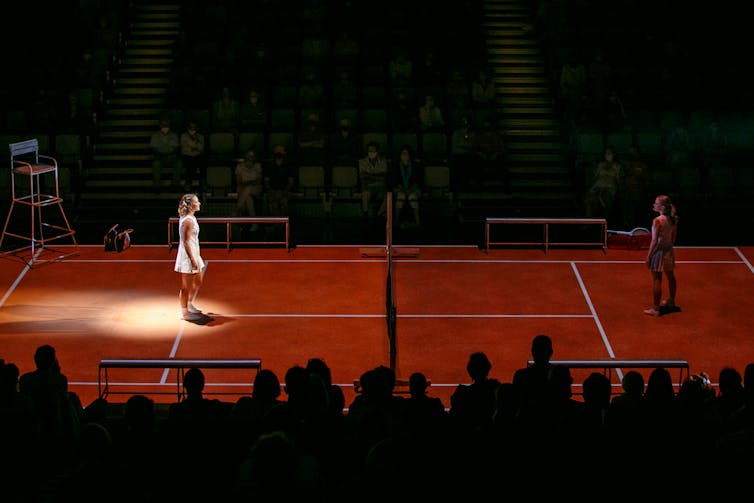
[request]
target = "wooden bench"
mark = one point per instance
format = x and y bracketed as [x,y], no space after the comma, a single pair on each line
[546,223]
[607,366]
[228,221]
[103,378]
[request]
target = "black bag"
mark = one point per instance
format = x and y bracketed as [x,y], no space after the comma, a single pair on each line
[117,240]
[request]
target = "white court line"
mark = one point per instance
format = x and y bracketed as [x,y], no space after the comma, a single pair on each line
[173,351]
[743,257]
[597,321]
[494,315]
[15,284]
[288,315]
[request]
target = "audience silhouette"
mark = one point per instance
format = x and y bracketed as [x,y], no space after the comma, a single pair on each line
[309,445]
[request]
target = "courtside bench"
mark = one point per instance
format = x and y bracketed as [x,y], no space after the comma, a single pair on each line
[181,365]
[607,366]
[546,224]
[228,221]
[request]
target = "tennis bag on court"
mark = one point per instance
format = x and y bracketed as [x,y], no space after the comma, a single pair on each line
[117,240]
[635,239]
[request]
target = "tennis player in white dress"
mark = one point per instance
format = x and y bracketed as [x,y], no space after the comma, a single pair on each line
[189,261]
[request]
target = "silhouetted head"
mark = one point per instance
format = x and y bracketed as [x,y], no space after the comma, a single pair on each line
[319,367]
[659,386]
[541,348]
[44,357]
[730,380]
[597,390]
[479,366]
[193,381]
[266,385]
[139,413]
[417,384]
[633,383]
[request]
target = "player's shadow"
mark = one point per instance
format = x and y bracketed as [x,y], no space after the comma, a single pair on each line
[669,310]
[203,320]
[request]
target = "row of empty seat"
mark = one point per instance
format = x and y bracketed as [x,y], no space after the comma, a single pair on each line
[336,189]
[226,146]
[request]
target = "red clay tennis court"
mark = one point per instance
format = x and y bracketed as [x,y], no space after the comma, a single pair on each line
[284,307]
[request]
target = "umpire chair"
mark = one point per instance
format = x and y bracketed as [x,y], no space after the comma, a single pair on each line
[34,185]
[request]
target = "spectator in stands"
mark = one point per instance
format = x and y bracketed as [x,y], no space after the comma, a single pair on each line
[373,173]
[635,183]
[565,421]
[430,71]
[472,406]
[279,181]
[660,256]
[306,416]
[597,391]
[336,400]
[374,416]
[679,155]
[405,179]
[401,69]
[471,420]
[275,470]
[430,115]
[19,433]
[345,48]
[137,446]
[458,97]
[225,112]
[192,156]
[603,193]
[714,148]
[94,467]
[166,147]
[76,119]
[250,187]
[311,93]
[312,141]
[59,411]
[254,112]
[197,433]
[249,412]
[735,445]
[345,90]
[345,144]
[463,162]
[531,381]
[573,90]
[623,416]
[403,116]
[42,113]
[427,428]
[490,153]
[730,396]
[599,81]
[659,418]
[483,92]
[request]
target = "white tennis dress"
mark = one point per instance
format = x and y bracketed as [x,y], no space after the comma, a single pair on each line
[182,260]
